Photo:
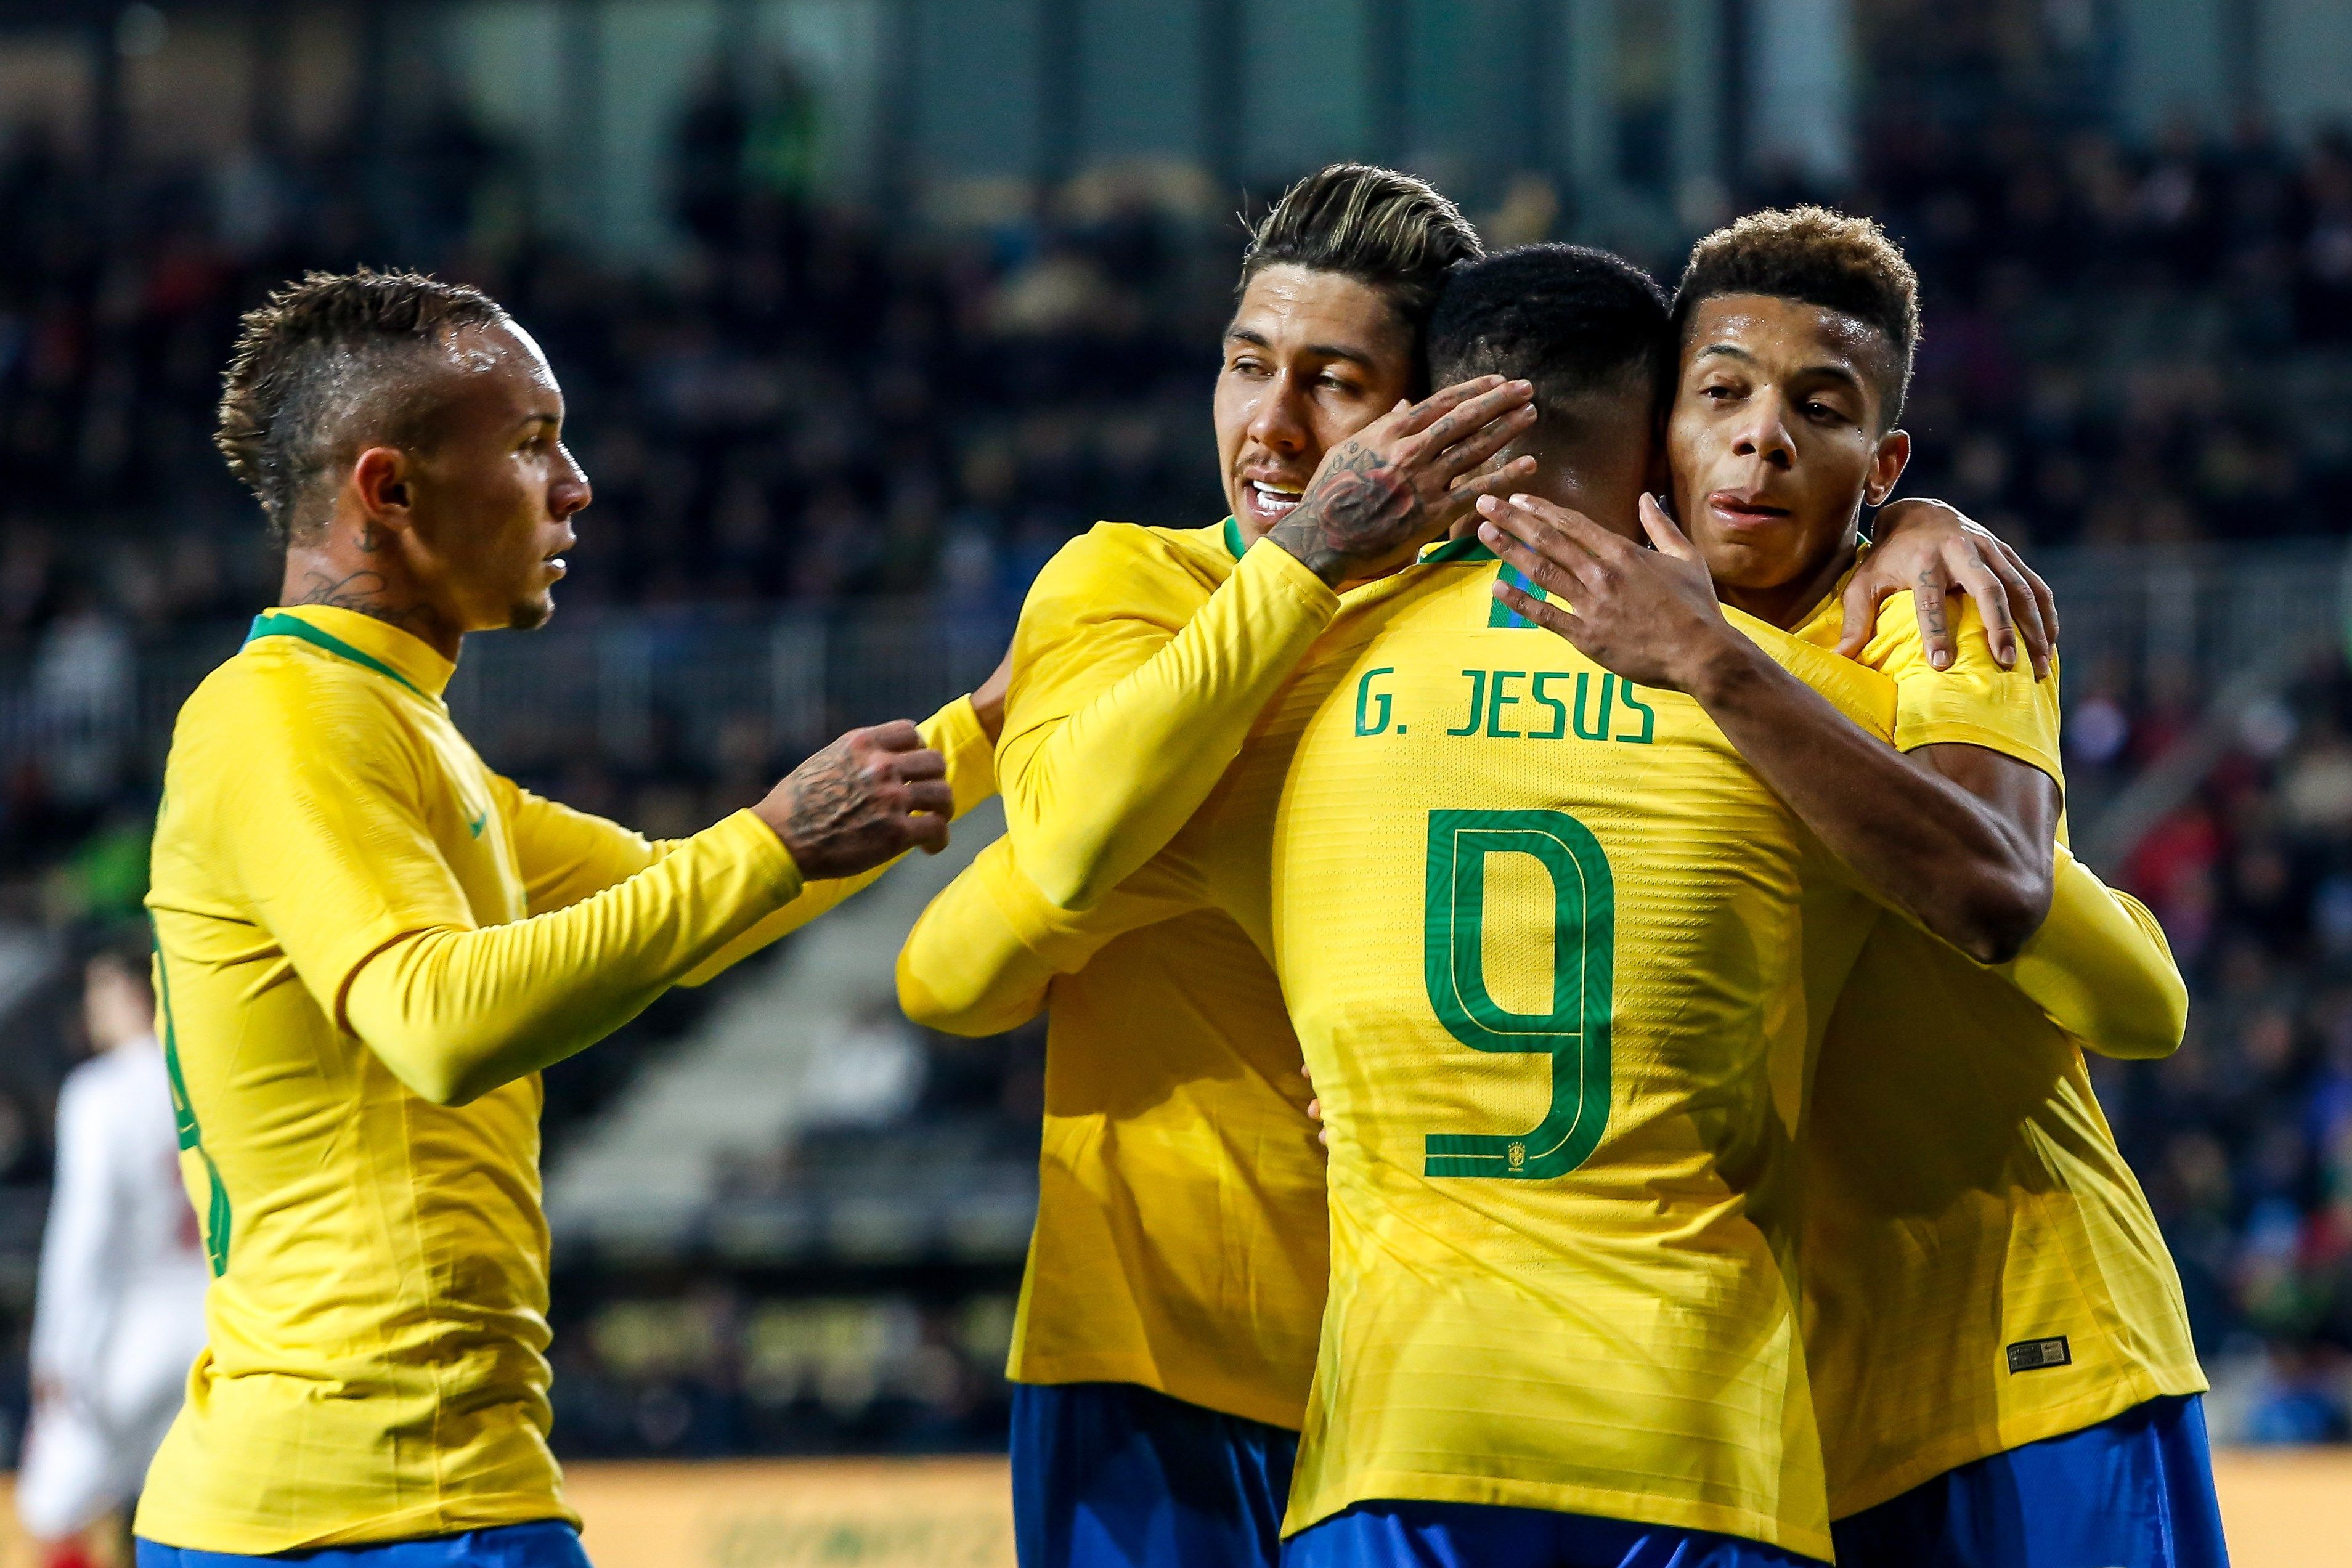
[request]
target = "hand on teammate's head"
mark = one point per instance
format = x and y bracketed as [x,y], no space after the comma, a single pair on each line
[867,798]
[1403,479]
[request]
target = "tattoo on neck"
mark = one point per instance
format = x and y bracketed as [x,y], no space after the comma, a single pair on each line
[363,594]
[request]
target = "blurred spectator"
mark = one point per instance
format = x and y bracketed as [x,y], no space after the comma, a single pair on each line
[119,1316]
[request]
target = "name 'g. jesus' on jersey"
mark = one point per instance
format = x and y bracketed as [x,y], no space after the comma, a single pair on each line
[1542,935]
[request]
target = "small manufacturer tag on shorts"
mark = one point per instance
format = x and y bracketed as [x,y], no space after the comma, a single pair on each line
[2033,1354]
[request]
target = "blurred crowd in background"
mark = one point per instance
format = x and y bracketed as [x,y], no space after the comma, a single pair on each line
[818,409]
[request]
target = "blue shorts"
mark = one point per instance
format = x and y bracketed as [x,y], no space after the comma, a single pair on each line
[544,1543]
[2136,1491]
[1409,1534]
[1115,1474]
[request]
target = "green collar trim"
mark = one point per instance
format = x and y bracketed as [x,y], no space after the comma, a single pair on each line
[1468,547]
[1234,537]
[269,625]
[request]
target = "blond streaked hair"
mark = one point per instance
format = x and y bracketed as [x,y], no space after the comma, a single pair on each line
[321,357]
[1816,256]
[1387,231]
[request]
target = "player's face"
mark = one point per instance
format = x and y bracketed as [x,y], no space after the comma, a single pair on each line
[495,493]
[1311,358]
[1774,440]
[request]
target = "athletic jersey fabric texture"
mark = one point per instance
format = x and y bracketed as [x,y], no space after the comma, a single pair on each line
[118,1307]
[1178,1243]
[1541,934]
[349,904]
[1981,1268]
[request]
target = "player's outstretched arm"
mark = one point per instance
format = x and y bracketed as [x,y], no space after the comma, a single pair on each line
[1960,837]
[979,960]
[962,734]
[456,1012]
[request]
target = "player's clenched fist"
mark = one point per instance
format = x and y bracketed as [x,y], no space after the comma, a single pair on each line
[873,794]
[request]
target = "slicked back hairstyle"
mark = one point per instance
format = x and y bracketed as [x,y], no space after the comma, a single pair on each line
[1567,318]
[1386,230]
[1818,257]
[322,358]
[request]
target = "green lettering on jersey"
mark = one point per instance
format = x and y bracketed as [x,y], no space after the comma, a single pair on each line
[1366,697]
[184,1121]
[1477,703]
[1625,690]
[1574,1033]
[1599,728]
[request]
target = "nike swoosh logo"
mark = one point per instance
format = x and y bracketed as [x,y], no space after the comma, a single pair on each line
[474,827]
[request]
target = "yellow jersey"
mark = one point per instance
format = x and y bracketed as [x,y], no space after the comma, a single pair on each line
[346,899]
[1178,1243]
[1541,936]
[1982,1270]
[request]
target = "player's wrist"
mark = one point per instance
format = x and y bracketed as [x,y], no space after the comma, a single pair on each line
[1304,544]
[1719,669]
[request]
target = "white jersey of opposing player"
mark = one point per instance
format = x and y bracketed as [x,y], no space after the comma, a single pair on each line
[119,1310]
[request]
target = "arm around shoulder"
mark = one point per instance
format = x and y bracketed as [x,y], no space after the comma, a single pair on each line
[2100,967]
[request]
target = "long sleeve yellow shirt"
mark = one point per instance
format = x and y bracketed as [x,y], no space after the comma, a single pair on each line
[1180,1240]
[1981,1268]
[368,944]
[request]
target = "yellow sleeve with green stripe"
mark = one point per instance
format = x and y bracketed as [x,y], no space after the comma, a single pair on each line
[1142,658]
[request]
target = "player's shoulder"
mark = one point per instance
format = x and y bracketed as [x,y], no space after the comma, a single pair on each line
[1207,556]
[276,702]
[1898,644]
[1116,570]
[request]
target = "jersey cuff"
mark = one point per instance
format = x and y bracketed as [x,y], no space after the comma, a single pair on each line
[1958,732]
[1289,573]
[758,844]
[955,733]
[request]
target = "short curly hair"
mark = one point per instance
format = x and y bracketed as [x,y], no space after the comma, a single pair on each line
[1387,231]
[1816,256]
[318,358]
[1570,318]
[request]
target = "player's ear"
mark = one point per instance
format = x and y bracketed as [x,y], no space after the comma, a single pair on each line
[1886,465]
[380,482]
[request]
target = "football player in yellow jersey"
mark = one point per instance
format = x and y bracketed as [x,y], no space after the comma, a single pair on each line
[1167,1325]
[1995,1332]
[369,945]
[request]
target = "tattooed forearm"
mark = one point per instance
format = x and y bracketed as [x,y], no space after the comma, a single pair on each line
[1358,509]
[365,592]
